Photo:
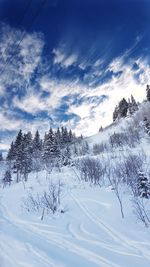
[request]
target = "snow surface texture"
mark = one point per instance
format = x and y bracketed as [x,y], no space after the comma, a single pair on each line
[90,233]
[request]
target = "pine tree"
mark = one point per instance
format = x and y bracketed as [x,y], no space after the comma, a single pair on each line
[148,93]
[1,156]
[18,155]
[121,110]
[27,155]
[67,156]
[51,148]
[143,186]
[132,106]
[116,113]
[37,151]
[101,129]
[7,178]
[11,153]
[70,136]
[58,134]
[146,125]
[65,136]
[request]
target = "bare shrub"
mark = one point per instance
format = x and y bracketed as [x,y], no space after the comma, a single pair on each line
[131,137]
[32,203]
[141,211]
[48,201]
[117,140]
[127,169]
[134,136]
[91,170]
[99,148]
[116,183]
[124,171]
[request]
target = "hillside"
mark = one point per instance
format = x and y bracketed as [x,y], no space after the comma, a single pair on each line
[86,228]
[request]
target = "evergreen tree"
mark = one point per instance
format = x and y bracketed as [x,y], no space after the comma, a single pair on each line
[1,156]
[123,108]
[70,137]
[58,134]
[51,148]
[65,136]
[37,151]
[101,129]
[116,113]
[27,155]
[11,153]
[67,156]
[132,106]
[143,186]
[120,110]
[146,125]
[18,155]
[148,93]
[7,178]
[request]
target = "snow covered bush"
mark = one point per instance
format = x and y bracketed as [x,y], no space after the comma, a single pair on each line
[128,167]
[47,201]
[91,170]
[130,137]
[99,148]
[141,208]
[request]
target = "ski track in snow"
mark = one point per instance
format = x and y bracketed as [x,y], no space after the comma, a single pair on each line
[60,242]
[41,242]
[116,236]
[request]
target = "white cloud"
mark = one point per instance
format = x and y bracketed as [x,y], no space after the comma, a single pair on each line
[8,123]
[19,59]
[62,58]
[31,103]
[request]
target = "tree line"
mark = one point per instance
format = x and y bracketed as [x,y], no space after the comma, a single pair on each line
[28,153]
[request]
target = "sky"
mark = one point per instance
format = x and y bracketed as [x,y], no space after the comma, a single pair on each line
[69,62]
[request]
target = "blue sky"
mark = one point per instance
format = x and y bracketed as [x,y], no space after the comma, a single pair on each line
[72,65]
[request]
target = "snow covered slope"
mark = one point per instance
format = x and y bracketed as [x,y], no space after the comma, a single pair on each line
[87,230]
[90,233]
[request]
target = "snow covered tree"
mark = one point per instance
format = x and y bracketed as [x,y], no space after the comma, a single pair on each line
[7,178]
[66,156]
[115,113]
[37,151]
[58,137]
[101,129]
[18,146]
[148,92]
[120,110]
[65,136]
[26,164]
[132,106]
[146,125]
[143,186]
[123,108]
[11,153]
[51,148]
[70,135]
[1,156]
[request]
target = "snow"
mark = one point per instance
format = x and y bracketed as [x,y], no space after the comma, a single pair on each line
[89,233]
